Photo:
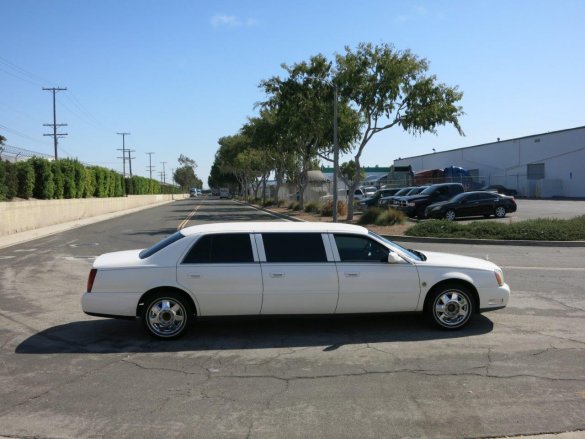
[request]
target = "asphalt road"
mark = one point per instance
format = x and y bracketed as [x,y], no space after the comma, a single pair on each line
[64,374]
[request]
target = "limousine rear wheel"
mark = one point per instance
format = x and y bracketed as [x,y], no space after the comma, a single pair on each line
[166,315]
[450,306]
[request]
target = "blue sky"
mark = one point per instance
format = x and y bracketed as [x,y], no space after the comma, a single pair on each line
[180,74]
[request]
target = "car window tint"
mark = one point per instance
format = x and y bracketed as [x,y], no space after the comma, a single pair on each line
[221,249]
[487,196]
[160,245]
[360,249]
[294,247]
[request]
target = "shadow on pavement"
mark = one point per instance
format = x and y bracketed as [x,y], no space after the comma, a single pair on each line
[331,332]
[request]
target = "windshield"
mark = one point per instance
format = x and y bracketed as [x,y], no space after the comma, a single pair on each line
[160,245]
[417,190]
[459,197]
[429,190]
[413,254]
[404,191]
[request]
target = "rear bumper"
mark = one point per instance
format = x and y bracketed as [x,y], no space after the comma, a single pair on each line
[110,304]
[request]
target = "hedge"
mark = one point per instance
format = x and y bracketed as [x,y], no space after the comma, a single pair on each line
[541,229]
[68,178]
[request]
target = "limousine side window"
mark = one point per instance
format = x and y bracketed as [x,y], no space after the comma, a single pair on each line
[360,249]
[221,249]
[294,247]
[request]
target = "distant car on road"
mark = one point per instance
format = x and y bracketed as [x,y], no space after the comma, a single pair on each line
[472,204]
[224,192]
[500,190]
[193,192]
[273,268]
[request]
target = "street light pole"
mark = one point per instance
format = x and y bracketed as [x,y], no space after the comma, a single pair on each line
[335,153]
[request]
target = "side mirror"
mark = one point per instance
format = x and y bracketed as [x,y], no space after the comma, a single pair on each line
[393,258]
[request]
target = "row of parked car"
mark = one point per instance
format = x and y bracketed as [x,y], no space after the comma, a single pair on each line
[444,200]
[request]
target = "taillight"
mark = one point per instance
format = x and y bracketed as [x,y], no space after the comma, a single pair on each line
[90,279]
[499,277]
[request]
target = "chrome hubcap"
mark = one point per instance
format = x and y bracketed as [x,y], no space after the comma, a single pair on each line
[500,212]
[166,317]
[452,308]
[450,215]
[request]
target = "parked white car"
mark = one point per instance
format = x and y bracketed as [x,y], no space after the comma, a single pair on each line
[286,268]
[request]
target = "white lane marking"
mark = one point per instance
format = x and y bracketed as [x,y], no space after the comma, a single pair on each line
[6,257]
[20,250]
[79,258]
[544,268]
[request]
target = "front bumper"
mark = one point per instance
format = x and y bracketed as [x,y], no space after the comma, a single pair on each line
[410,211]
[494,298]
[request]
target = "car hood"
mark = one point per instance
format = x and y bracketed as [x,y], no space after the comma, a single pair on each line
[414,197]
[456,261]
[118,259]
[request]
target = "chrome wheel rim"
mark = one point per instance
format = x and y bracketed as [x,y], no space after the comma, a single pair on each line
[450,215]
[166,317]
[500,212]
[452,308]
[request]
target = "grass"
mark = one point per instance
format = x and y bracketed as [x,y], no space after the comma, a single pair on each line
[541,229]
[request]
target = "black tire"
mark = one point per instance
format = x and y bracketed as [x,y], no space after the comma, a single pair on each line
[450,306]
[167,315]
[420,213]
[500,212]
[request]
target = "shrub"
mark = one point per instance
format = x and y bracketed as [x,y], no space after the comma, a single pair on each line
[44,187]
[59,184]
[281,203]
[327,208]
[2,180]
[267,203]
[11,180]
[312,208]
[370,215]
[26,179]
[545,229]
[390,217]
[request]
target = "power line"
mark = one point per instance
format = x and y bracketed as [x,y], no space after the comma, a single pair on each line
[21,134]
[164,175]
[55,124]
[130,151]
[123,157]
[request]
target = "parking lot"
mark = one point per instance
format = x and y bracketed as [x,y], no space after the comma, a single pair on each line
[65,374]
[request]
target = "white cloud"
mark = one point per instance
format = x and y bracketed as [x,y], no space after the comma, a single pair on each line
[224,20]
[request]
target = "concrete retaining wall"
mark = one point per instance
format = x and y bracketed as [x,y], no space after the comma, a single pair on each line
[21,216]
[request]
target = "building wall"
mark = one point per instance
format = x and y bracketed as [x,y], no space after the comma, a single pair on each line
[505,162]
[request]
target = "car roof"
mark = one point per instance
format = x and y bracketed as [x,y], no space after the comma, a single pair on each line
[274,226]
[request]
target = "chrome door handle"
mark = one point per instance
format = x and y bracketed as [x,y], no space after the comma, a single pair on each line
[352,274]
[276,274]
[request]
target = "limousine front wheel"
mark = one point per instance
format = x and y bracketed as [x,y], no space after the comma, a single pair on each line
[166,315]
[450,306]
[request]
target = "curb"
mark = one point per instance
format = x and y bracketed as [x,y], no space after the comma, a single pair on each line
[270,212]
[430,240]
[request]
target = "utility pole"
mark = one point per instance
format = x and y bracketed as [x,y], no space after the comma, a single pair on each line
[150,167]
[55,135]
[164,173]
[130,151]
[123,158]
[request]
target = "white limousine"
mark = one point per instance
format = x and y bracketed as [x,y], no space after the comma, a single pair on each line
[257,268]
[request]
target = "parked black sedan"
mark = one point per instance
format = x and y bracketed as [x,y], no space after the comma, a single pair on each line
[500,189]
[472,204]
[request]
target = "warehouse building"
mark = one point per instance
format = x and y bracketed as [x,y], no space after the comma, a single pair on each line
[542,165]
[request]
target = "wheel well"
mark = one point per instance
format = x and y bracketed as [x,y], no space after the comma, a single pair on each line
[461,282]
[158,290]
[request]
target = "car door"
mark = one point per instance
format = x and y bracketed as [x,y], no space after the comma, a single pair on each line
[223,272]
[298,273]
[487,203]
[467,206]
[367,281]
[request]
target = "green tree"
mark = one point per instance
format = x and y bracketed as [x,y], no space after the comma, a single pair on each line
[302,103]
[26,179]
[391,88]
[185,175]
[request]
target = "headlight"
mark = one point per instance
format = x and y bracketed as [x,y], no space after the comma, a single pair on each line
[499,277]
[412,204]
